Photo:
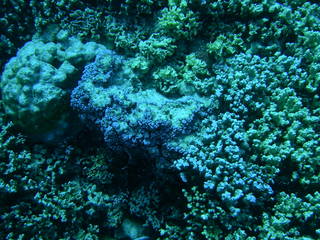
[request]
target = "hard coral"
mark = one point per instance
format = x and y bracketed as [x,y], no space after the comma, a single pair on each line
[36,84]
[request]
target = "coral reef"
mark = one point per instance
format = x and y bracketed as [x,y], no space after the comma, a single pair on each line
[178,119]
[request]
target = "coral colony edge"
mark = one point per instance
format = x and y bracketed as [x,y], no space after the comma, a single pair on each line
[160,120]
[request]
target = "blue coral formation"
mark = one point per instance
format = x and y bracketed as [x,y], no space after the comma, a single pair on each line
[128,119]
[178,119]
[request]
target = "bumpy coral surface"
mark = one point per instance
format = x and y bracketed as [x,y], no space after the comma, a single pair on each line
[36,84]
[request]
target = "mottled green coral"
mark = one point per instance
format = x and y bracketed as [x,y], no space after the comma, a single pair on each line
[36,84]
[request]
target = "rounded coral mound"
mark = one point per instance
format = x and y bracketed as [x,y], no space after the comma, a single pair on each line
[36,84]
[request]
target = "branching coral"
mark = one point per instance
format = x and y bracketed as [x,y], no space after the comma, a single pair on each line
[198,119]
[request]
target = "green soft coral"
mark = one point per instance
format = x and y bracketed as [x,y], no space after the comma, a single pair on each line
[182,79]
[224,46]
[178,22]
[166,80]
[157,48]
